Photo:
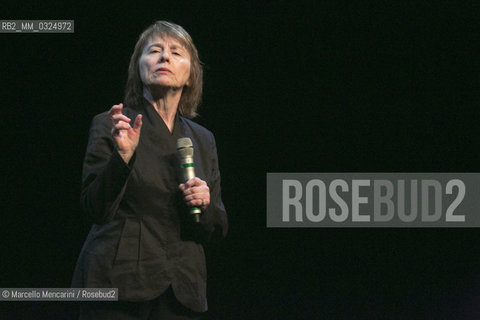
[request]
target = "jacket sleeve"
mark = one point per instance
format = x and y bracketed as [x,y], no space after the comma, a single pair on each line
[105,174]
[214,218]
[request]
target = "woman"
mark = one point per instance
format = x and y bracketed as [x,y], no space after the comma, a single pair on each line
[143,241]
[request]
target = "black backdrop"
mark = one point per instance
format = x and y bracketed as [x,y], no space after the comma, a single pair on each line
[386,86]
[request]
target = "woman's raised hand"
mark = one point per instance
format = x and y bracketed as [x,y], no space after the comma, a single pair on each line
[125,136]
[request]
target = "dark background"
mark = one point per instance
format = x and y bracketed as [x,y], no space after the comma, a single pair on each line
[327,86]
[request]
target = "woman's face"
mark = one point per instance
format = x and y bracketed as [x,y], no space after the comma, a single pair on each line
[164,62]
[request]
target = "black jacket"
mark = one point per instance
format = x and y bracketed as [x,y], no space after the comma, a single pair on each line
[142,239]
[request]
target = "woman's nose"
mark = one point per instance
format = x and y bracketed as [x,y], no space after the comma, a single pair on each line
[164,56]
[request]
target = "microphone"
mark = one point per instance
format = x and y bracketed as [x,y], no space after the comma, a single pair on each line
[185,153]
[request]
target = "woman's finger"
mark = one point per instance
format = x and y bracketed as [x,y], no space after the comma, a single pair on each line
[116,109]
[195,182]
[120,117]
[122,125]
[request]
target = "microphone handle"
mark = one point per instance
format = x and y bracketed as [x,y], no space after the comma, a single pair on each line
[188,173]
